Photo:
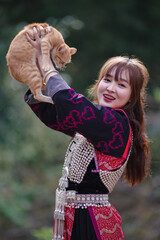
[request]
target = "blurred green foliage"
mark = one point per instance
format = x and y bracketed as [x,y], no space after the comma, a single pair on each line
[31,155]
[43,234]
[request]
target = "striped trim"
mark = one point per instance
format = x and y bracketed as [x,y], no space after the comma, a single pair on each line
[91,213]
[125,154]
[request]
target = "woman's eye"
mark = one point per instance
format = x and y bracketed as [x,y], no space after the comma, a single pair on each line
[121,85]
[107,79]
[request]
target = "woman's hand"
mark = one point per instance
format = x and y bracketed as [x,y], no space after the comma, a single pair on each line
[37,42]
[37,45]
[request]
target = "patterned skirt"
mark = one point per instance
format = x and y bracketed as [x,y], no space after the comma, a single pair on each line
[93,223]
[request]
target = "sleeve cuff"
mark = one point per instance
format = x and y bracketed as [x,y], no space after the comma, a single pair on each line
[56,84]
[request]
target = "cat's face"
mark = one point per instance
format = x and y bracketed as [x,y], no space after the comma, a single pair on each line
[62,55]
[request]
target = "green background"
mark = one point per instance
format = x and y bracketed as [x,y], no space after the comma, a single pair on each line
[31,155]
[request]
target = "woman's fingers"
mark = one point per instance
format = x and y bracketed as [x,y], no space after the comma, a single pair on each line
[37,37]
[36,43]
[35,33]
[48,29]
[30,40]
[42,31]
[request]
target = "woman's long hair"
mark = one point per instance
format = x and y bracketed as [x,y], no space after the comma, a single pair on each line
[138,166]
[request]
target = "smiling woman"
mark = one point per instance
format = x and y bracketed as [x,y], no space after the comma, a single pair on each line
[102,138]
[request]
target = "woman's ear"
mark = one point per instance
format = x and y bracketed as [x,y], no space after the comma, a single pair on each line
[73,51]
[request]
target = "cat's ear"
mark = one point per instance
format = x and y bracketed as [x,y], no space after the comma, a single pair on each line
[61,48]
[73,51]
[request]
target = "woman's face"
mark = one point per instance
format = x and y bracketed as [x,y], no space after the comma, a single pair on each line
[114,93]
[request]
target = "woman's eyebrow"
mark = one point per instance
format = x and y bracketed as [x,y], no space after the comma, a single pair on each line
[124,80]
[121,79]
[108,75]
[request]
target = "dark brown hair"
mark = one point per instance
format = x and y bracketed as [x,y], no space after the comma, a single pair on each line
[138,166]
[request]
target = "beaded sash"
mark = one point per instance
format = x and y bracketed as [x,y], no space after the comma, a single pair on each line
[110,178]
[77,159]
[78,156]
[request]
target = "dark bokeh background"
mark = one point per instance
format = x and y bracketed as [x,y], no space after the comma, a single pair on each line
[31,155]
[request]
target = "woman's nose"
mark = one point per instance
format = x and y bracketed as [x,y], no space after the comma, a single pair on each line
[111,87]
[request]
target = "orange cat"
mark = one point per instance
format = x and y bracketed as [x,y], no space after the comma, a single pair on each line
[22,62]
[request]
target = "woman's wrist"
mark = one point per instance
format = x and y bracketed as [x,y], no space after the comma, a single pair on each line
[48,74]
[55,84]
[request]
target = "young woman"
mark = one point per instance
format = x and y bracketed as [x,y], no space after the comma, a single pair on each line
[108,138]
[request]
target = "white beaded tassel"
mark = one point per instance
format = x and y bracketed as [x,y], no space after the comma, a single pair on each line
[60,203]
[59,214]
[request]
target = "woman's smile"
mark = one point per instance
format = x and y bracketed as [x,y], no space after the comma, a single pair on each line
[108,97]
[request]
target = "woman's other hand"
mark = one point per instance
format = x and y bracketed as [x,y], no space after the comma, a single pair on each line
[37,45]
[37,42]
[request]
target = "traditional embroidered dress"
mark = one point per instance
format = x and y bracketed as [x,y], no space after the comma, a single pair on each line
[94,162]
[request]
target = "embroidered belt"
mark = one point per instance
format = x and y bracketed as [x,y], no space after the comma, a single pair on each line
[86,200]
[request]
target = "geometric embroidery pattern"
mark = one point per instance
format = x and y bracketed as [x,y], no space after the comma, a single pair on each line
[109,223]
